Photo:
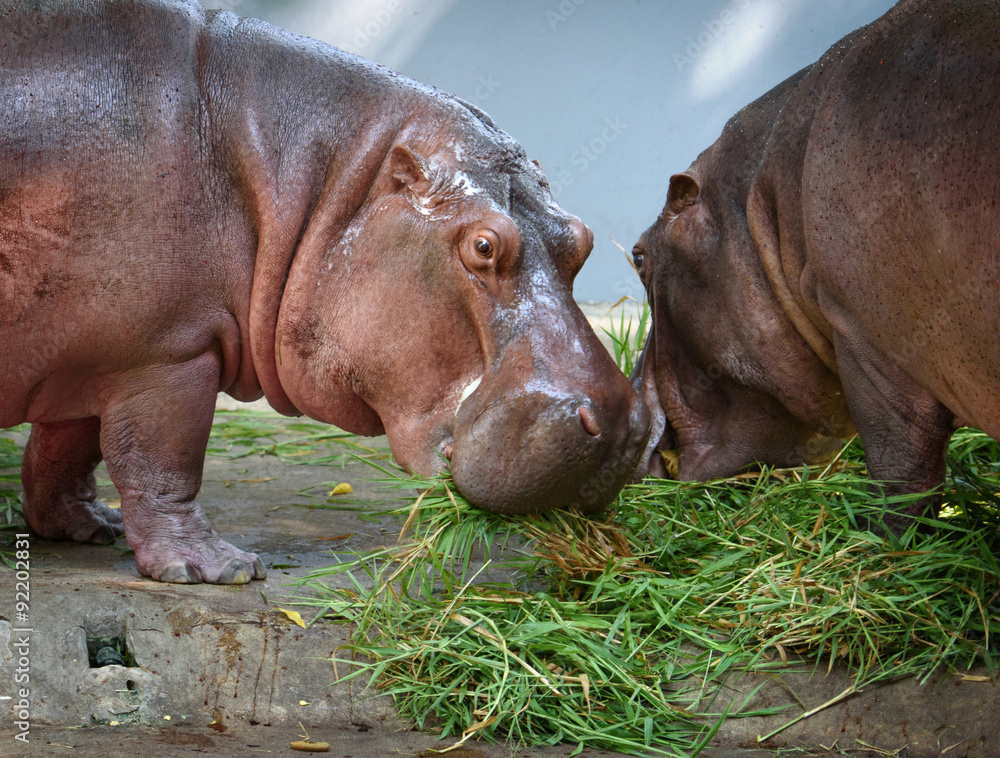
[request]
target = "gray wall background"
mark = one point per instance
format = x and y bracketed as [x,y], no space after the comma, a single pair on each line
[612,96]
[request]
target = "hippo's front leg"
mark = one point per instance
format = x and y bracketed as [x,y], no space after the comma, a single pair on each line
[904,430]
[154,432]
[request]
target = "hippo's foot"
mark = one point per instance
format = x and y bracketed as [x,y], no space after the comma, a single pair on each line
[71,518]
[211,560]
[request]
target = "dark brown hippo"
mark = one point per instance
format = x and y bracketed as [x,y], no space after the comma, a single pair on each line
[191,203]
[832,262]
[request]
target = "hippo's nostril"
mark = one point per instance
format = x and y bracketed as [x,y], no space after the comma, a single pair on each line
[589,422]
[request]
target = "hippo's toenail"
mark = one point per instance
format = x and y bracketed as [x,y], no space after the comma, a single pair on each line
[234,572]
[589,422]
[180,573]
[99,535]
[259,572]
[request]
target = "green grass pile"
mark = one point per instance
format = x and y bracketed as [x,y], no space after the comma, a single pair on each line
[619,632]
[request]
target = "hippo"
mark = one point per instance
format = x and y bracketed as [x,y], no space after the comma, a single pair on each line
[194,203]
[830,265]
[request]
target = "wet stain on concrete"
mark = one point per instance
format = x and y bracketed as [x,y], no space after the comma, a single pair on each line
[216,723]
[260,670]
[229,643]
[182,623]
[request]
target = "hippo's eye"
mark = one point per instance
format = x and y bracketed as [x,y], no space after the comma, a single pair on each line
[484,247]
[637,256]
[483,252]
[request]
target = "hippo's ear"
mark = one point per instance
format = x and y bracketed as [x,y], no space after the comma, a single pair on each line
[684,191]
[412,169]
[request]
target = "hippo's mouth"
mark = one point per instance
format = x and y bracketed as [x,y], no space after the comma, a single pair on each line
[467,392]
[447,447]
[664,455]
[705,461]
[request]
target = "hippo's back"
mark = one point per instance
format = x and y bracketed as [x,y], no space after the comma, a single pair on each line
[106,205]
[103,77]
[901,196]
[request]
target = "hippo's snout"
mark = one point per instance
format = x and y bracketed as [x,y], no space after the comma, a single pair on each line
[530,449]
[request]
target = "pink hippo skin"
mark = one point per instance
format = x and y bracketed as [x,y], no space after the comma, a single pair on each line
[832,262]
[191,202]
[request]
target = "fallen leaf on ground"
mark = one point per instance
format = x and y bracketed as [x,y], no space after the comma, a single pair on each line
[293,616]
[310,747]
[974,678]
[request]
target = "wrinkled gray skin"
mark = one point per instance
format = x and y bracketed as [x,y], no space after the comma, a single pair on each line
[831,262]
[192,203]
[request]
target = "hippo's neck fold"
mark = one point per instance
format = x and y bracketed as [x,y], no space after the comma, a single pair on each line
[746,155]
[304,129]
[776,201]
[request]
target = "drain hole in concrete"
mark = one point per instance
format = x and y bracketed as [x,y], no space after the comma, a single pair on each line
[130,685]
[109,651]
